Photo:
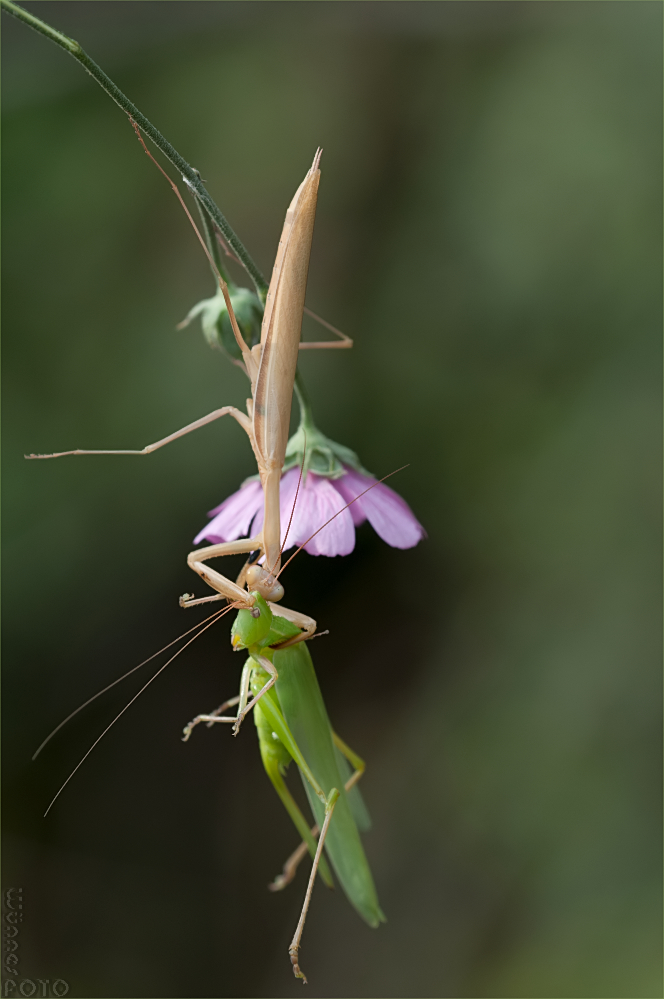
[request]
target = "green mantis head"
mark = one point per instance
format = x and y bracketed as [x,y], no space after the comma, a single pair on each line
[252,625]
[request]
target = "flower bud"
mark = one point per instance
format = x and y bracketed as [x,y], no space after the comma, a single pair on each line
[216,322]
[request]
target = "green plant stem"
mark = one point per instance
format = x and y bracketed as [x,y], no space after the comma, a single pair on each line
[189,173]
[213,247]
[304,402]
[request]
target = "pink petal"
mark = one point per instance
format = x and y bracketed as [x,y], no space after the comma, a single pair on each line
[389,515]
[355,510]
[234,516]
[317,502]
[321,503]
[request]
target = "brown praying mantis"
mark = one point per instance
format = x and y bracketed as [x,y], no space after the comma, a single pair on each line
[287,704]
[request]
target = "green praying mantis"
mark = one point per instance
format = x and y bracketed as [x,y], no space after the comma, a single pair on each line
[278,681]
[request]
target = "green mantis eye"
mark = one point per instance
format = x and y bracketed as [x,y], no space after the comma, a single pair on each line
[250,627]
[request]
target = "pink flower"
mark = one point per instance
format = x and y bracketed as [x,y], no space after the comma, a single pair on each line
[318,500]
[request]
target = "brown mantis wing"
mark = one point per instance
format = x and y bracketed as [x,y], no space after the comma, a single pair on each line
[280,341]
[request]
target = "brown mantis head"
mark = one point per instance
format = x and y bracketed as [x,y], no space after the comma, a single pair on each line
[258,578]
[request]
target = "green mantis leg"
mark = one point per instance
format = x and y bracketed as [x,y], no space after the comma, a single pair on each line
[293,862]
[277,723]
[274,756]
[355,761]
[217,715]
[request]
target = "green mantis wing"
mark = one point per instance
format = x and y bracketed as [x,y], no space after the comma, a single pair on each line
[304,712]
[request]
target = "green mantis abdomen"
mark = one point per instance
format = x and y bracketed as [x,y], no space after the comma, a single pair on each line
[273,752]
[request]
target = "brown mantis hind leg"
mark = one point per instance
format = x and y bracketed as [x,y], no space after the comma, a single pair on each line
[241,418]
[291,865]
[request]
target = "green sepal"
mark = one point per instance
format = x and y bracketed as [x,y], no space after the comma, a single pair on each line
[321,454]
[216,322]
[311,450]
[249,629]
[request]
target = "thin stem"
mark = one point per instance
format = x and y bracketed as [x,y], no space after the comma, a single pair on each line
[189,173]
[304,402]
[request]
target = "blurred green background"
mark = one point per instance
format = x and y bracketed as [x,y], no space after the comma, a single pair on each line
[489,233]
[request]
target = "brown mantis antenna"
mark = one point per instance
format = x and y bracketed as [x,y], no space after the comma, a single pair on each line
[297,491]
[57,728]
[134,698]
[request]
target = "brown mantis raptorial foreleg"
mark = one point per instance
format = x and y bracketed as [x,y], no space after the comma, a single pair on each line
[225,587]
[267,582]
[303,621]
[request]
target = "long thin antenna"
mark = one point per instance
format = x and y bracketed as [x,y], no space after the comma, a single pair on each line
[134,698]
[359,496]
[299,483]
[119,679]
